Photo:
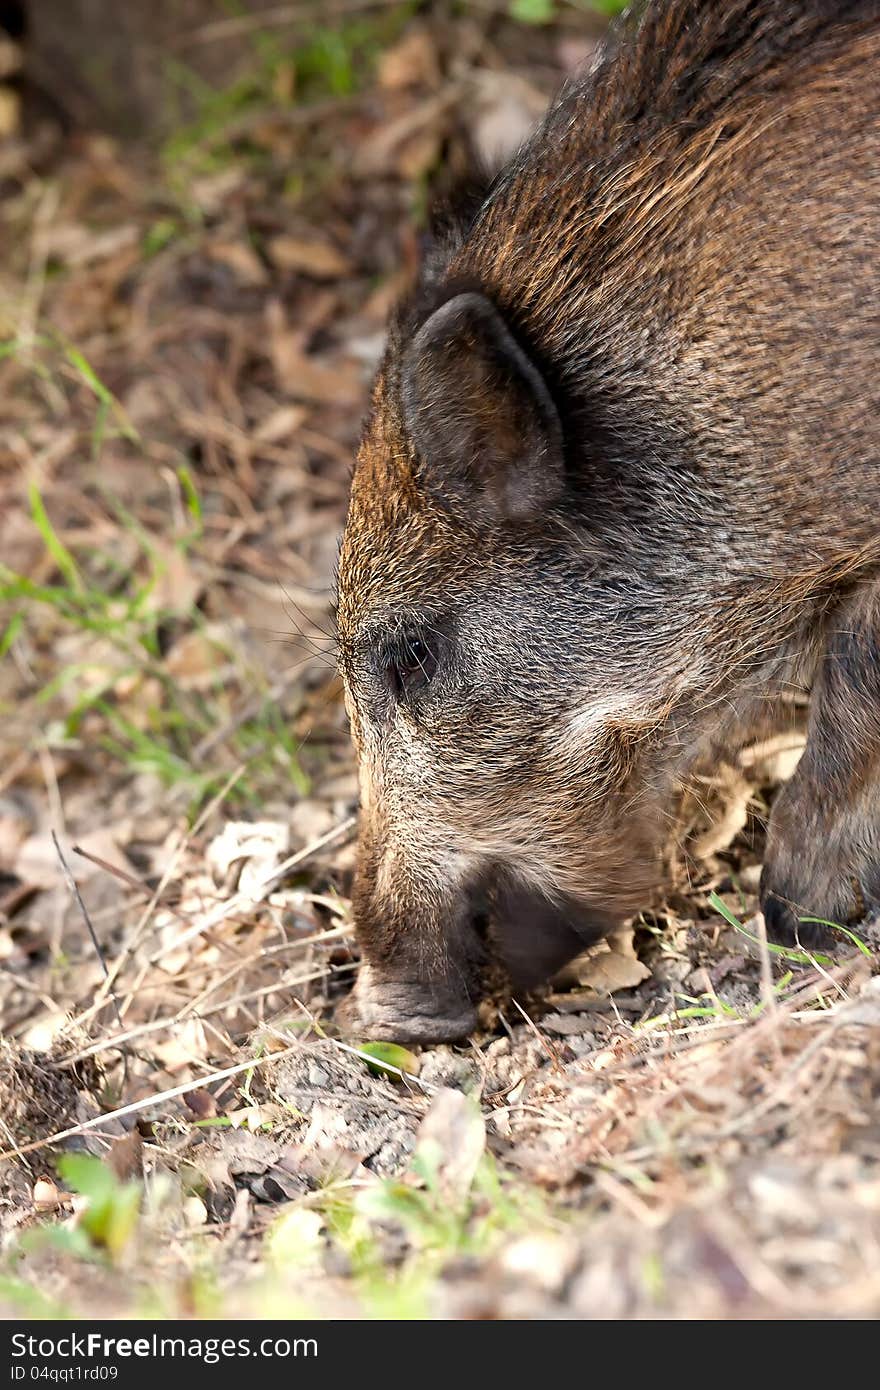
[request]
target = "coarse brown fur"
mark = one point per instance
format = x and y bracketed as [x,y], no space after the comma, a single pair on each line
[617,491]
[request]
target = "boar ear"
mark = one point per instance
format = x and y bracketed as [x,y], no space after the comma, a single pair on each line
[482,421]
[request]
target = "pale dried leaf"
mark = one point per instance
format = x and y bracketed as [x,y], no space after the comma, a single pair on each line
[450,1143]
[411,62]
[281,424]
[507,109]
[728,798]
[295,1239]
[308,256]
[610,966]
[245,852]
[241,259]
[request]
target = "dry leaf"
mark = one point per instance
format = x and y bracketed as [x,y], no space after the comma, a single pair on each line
[240,258]
[195,1213]
[302,376]
[188,1045]
[79,245]
[126,1156]
[201,1103]
[608,966]
[773,760]
[195,659]
[11,56]
[318,259]
[246,852]
[380,155]
[281,424]
[450,1143]
[727,794]
[10,111]
[48,1197]
[411,62]
[295,1239]
[507,110]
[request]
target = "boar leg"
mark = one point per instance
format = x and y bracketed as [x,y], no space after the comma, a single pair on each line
[823,846]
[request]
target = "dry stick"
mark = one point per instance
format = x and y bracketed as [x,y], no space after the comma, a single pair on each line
[547,1045]
[184,1016]
[77,895]
[238,900]
[146,1101]
[768,993]
[115,870]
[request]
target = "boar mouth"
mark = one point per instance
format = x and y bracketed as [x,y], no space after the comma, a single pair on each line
[535,935]
[528,934]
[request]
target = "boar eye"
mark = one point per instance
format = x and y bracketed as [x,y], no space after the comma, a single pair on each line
[411,663]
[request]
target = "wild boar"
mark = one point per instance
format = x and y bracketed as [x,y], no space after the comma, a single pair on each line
[618,492]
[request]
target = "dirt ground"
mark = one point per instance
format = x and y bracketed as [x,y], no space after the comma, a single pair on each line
[686,1125]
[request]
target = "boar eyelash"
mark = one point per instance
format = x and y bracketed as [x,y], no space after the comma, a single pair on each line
[408,671]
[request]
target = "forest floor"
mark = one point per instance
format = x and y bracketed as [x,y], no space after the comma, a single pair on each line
[686,1125]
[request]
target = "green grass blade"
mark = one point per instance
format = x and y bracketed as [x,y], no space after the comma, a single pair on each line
[850,935]
[57,549]
[802,957]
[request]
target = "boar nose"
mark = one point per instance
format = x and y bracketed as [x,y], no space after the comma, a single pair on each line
[406,1011]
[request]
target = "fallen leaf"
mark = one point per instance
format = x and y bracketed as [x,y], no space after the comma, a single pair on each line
[302,376]
[246,852]
[410,62]
[568,1025]
[47,1197]
[240,258]
[317,259]
[450,1143]
[727,795]
[76,244]
[281,424]
[385,1055]
[507,109]
[11,56]
[773,760]
[10,111]
[195,1213]
[611,965]
[126,1156]
[201,1103]
[295,1240]
[195,659]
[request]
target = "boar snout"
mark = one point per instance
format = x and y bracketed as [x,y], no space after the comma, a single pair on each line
[410,1010]
[422,946]
[409,991]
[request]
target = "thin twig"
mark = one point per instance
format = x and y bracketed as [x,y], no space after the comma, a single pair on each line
[547,1045]
[78,898]
[239,900]
[146,1101]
